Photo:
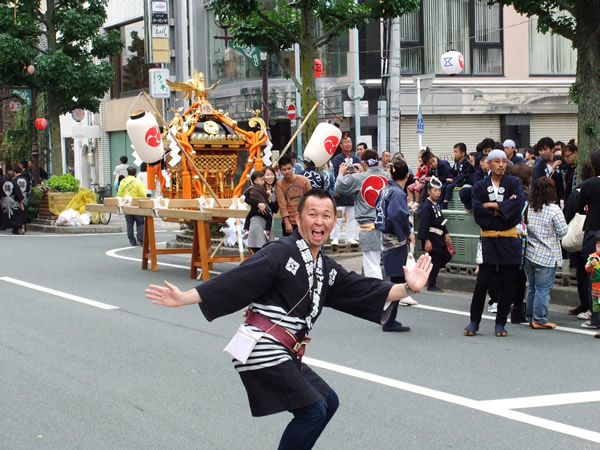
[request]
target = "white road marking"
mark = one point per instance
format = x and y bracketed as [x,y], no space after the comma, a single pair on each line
[545,400]
[66,295]
[113,253]
[485,406]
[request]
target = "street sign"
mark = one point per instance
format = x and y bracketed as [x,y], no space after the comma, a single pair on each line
[291,111]
[158,83]
[14,106]
[420,123]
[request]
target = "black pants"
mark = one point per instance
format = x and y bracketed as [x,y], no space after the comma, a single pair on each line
[504,277]
[578,263]
[520,283]
[389,315]
[438,260]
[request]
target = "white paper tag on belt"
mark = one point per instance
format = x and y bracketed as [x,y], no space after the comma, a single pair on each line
[242,343]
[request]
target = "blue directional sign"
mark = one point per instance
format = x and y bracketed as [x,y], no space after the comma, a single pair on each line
[420,123]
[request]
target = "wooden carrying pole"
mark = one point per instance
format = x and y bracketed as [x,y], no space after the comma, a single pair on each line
[189,158]
[287,146]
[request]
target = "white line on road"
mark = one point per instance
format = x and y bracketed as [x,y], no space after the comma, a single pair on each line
[545,400]
[484,406]
[46,290]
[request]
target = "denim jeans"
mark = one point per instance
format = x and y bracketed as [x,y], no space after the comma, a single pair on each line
[139,225]
[308,423]
[541,282]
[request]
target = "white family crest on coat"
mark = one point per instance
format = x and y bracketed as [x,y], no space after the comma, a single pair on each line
[332,276]
[292,266]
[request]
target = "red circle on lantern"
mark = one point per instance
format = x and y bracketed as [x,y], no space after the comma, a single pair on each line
[331,144]
[153,137]
[318,68]
[41,123]
[372,187]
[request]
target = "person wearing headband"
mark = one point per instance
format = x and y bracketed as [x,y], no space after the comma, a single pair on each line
[433,233]
[498,201]
[461,171]
[317,180]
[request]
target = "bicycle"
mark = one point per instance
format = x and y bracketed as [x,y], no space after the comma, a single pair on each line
[101,193]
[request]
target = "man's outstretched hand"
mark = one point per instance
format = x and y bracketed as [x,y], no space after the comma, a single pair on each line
[417,277]
[171,296]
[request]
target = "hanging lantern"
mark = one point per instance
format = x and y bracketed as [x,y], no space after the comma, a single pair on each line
[41,123]
[453,62]
[323,143]
[145,137]
[318,68]
[30,69]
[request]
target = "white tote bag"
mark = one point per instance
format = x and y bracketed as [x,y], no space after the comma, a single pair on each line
[573,240]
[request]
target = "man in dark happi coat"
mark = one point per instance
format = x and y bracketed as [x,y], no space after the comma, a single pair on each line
[286,285]
[498,201]
[11,204]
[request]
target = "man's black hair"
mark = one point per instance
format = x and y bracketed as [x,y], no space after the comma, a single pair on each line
[284,161]
[545,142]
[461,147]
[488,143]
[123,159]
[319,193]
[427,156]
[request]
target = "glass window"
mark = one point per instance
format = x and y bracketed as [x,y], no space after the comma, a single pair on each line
[468,26]
[550,54]
[131,71]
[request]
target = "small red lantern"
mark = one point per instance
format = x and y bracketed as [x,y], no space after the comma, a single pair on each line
[41,123]
[318,68]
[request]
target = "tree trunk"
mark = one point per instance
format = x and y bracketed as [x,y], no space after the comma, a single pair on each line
[588,78]
[307,70]
[55,137]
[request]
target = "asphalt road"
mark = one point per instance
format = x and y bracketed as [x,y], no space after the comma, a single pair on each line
[139,376]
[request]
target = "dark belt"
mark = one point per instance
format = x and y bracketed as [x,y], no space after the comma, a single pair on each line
[285,337]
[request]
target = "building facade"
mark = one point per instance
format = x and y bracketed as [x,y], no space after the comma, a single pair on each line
[515,83]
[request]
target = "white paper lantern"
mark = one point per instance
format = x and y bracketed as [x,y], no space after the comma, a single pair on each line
[323,143]
[145,137]
[453,62]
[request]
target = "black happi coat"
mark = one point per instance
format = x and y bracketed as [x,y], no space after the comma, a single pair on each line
[272,282]
[499,250]
[430,216]
[11,214]
[24,182]
[461,172]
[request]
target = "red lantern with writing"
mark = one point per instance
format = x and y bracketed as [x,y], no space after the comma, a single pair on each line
[318,68]
[41,123]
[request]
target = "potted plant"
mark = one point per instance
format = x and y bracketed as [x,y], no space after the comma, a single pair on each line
[51,196]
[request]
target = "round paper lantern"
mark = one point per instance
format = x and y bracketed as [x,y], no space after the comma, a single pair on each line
[41,123]
[318,68]
[453,62]
[145,137]
[30,69]
[323,143]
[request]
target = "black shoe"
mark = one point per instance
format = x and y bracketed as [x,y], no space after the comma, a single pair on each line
[133,243]
[578,310]
[434,289]
[395,326]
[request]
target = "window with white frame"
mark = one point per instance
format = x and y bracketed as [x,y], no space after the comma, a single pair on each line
[469,26]
[550,54]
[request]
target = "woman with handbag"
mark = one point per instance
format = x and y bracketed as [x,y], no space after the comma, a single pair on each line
[574,248]
[545,226]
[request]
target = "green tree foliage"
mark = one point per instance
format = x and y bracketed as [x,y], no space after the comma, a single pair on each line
[65,45]
[576,20]
[278,25]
